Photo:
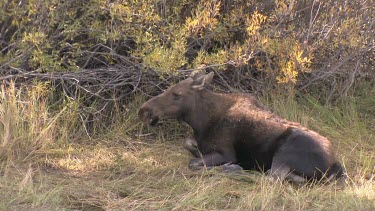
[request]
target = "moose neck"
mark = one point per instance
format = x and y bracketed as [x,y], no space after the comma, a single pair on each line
[208,108]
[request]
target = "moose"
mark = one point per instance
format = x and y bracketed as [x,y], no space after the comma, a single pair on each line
[236,129]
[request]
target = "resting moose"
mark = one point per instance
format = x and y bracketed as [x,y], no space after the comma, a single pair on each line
[238,129]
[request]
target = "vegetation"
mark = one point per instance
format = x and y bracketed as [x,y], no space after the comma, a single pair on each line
[47,162]
[74,73]
[307,44]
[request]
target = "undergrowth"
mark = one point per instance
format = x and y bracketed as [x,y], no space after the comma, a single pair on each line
[47,160]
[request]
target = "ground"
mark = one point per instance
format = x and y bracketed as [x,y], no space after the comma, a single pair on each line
[130,166]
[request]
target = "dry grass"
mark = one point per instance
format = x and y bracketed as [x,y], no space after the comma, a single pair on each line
[44,166]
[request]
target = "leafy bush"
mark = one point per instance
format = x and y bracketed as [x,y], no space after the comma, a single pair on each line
[306,43]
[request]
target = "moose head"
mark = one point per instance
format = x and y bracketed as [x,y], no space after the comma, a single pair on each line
[177,101]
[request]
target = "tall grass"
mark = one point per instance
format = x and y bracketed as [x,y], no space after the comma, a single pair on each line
[28,125]
[28,130]
[48,161]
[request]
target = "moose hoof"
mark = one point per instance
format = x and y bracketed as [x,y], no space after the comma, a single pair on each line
[228,168]
[196,164]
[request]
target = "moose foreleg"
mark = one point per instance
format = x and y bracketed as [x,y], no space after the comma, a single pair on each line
[211,160]
[191,145]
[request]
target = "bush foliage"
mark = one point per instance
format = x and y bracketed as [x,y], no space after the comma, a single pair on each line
[303,43]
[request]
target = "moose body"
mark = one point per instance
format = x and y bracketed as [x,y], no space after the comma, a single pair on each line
[238,129]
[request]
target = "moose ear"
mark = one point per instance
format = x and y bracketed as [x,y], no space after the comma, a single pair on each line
[197,74]
[201,82]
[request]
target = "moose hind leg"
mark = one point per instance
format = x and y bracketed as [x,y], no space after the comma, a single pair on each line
[280,171]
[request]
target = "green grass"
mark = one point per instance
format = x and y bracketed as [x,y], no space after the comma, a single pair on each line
[130,166]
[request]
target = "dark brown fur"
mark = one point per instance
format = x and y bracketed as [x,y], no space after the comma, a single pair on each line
[237,128]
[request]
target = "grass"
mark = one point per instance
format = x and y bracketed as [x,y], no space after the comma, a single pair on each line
[48,163]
